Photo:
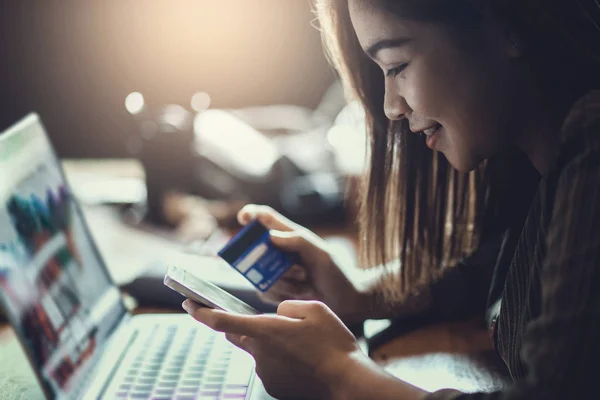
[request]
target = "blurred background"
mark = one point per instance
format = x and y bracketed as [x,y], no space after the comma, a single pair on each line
[168,116]
[220,103]
[74,62]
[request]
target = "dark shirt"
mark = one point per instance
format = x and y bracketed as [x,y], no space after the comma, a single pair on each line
[548,329]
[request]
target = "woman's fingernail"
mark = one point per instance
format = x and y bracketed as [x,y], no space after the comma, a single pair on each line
[185,306]
[275,233]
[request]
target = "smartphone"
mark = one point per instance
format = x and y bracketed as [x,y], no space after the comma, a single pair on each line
[204,292]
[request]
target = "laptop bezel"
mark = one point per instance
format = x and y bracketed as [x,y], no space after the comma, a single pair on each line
[30,122]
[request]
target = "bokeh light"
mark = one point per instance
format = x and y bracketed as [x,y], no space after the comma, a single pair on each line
[134,103]
[200,101]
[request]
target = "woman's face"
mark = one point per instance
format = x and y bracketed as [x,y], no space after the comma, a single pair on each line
[456,91]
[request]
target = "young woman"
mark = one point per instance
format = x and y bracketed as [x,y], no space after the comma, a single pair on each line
[464,81]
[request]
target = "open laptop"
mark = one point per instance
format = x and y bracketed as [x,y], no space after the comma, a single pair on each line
[67,311]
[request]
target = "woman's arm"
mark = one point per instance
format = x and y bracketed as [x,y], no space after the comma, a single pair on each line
[365,380]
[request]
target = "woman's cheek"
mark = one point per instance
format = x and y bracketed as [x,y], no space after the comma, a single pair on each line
[424,93]
[414,93]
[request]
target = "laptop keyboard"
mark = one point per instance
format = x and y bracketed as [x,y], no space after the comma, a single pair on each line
[182,362]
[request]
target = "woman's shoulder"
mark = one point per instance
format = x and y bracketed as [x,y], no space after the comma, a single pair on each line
[580,132]
[583,119]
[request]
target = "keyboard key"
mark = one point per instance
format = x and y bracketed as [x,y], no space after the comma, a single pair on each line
[230,386]
[217,372]
[143,388]
[168,381]
[187,390]
[209,393]
[237,379]
[164,392]
[181,351]
[235,391]
[140,395]
[212,386]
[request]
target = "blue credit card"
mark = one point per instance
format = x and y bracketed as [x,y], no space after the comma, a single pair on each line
[253,255]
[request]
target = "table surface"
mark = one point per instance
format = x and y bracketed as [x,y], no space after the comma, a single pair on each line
[457,355]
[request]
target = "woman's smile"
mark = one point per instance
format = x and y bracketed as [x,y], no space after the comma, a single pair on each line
[432,135]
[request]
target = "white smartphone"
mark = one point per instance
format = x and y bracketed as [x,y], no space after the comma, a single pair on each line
[204,292]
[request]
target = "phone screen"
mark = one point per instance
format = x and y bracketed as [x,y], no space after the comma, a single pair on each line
[204,292]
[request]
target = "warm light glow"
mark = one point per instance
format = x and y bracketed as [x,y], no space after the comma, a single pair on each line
[175,115]
[338,135]
[168,50]
[348,139]
[235,144]
[200,101]
[134,103]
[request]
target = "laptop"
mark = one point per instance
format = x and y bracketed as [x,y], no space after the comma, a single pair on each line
[68,313]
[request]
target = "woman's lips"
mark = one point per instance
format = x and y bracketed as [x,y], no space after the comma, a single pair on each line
[431,131]
[432,136]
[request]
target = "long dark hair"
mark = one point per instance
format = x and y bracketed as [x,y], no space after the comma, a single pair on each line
[415,207]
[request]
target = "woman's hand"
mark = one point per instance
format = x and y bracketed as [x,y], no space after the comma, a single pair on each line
[317,276]
[304,351]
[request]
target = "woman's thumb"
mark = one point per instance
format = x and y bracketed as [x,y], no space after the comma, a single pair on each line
[288,241]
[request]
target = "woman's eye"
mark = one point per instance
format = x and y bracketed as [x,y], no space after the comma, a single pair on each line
[395,71]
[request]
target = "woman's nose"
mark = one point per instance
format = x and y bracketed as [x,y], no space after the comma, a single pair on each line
[395,106]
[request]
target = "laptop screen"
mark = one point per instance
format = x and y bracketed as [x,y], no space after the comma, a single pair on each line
[53,284]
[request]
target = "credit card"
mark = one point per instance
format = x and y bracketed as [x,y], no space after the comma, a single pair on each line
[253,255]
